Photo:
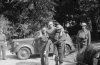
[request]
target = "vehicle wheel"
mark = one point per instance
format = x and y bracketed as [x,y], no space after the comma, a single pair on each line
[67,50]
[96,59]
[24,53]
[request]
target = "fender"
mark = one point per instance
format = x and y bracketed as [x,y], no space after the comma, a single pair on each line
[24,45]
[70,44]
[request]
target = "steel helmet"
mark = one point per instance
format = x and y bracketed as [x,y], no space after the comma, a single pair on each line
[83,24]
[44,28]
[50,23]
[59,27]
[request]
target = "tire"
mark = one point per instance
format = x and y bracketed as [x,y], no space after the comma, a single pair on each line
[67,50]
[24,53]
[96,60]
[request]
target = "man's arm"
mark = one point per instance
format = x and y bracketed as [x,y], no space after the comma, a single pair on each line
[89,38]
[78,37]
[4,38]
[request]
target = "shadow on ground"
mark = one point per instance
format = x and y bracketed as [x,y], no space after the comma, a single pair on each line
[38,56]
[34,63]
[14,56]
[27,63]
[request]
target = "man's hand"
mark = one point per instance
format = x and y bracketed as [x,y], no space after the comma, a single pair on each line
[45,52]
[5,43]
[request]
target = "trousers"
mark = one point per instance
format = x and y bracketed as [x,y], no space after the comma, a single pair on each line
[59,53]
[44,58]
[3,51]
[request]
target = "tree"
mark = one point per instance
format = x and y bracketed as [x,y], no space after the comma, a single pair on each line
[35,12]
[89,7]
[4,24]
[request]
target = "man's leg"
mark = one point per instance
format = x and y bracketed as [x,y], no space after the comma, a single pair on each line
[4,51]
[46,59]
[56,55]
[0,52]
[60,53]
[63,49]
[47,46]
[42,57]
[45,54]
[55,51]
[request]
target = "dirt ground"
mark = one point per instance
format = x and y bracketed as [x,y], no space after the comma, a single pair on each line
[35,60]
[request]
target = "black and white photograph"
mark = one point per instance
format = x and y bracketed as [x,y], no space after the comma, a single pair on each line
[49,32]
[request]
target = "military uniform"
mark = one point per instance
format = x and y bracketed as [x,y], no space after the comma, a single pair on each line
[84,38]
[45,43]
[51,32]
[2,46]
[59,40]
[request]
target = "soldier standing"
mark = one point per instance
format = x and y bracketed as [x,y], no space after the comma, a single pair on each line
[58,51]
[60,38]
[45,43]
[84,36]
[2,45]
[51,32]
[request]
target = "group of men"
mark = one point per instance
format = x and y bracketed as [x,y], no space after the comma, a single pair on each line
[52,34]
[57,36]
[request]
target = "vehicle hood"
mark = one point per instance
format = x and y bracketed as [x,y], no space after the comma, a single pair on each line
[26,40]
[87,55]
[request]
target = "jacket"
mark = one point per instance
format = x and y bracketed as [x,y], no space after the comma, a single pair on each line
[84,36]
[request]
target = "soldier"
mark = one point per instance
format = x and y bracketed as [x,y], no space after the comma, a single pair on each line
[84,36]
[51,32]
[2,45]
[51,29]
[45,43]
[60,38]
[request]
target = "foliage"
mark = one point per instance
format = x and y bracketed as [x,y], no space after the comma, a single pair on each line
[4,24]
[79,9]
[28,16]
[33,13]
[89,8]
[87,5]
